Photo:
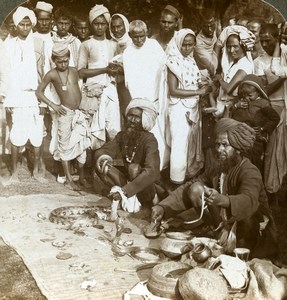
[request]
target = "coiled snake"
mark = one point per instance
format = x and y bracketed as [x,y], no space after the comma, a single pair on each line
[68,215]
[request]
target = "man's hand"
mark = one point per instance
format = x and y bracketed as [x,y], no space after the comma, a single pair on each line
[157,213]
[59,109]
[212,197]
[115,196]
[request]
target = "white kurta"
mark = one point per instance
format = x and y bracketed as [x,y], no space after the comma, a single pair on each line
[143,68]
[94,54]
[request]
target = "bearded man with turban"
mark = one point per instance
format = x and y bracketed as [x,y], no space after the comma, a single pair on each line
[129,165]
[234,194]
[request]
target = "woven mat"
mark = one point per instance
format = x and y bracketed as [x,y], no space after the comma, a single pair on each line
[24,226]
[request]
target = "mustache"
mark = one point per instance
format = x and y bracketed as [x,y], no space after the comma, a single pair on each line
[228,164]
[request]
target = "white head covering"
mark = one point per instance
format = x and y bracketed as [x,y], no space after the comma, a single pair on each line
[125,40]
[149,114]
[41,5]
[97,11]
[246,37]
[60,49]
[22,12]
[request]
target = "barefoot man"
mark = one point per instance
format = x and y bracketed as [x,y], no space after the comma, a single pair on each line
[26,59]
[73,137]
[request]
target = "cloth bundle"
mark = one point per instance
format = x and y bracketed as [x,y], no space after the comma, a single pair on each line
[131,204]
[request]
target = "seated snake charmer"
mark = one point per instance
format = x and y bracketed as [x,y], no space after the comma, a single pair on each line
[129,165]
[234,194]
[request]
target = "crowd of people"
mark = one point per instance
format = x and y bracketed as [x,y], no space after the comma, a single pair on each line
[145,104]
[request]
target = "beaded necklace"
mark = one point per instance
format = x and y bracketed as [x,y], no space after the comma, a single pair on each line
[129,159]
[64,86]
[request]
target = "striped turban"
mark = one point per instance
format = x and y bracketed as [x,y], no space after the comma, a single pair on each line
[240,135]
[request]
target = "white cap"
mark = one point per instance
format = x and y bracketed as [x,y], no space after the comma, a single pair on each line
[41,5]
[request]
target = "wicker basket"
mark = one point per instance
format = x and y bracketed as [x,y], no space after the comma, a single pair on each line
[163,281]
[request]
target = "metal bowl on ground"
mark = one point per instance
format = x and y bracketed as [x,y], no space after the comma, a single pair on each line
[163,281]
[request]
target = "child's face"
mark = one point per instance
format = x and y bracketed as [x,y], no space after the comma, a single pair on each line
[248,92]
[62,63]
[63,26]
[82,30]
[99,26]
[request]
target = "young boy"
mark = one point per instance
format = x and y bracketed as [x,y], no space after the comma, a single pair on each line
[73,137]
[254,109]
[81,27]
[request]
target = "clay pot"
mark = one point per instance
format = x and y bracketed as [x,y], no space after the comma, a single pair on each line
[175,244]
[163,281]
[201,253]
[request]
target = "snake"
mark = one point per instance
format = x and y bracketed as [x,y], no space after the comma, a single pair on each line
[68,215]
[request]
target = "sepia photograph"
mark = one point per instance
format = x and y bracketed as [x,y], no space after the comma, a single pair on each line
[143,149]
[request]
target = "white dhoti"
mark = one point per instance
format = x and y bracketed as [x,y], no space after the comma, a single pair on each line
[27,124]
[73,136]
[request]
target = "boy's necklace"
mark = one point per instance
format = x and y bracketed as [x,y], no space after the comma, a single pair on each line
[64,86]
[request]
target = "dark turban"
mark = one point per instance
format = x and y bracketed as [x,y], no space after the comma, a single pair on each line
[240,135]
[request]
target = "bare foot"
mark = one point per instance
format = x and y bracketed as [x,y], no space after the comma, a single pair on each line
[12,180]
[71,185]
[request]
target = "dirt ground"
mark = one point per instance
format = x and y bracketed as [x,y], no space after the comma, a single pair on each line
[16,281]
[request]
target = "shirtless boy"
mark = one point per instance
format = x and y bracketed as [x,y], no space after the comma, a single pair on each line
[73,135]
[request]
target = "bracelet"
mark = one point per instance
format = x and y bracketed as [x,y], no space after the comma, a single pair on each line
[235,105]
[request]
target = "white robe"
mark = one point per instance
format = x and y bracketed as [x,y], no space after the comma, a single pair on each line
[144,69]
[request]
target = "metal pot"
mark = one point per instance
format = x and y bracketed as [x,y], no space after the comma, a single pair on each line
[176,243]
[201,253]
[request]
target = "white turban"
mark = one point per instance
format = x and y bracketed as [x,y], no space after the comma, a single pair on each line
[22,12]
[149,114]
[41,5]
[97,11]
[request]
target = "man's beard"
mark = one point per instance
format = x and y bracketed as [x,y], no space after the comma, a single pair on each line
[224,166]
[131,135]
[167,35]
